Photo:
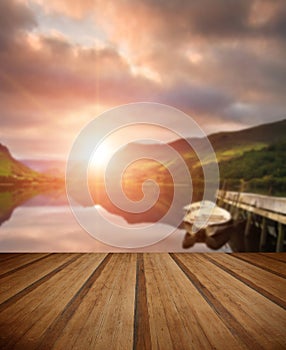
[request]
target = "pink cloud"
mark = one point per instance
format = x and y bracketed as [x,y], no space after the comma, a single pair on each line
[202,59]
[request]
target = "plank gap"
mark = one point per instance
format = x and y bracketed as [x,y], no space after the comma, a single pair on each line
[19,268]
[236,329]
[273,257]
[56,328]
[240,257]
[10,301]
[249,283]
[142,334]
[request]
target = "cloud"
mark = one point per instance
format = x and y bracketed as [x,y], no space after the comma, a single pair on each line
[196,99]
[72,8]
[14,17]
[177,20]
[63,74]
[222,63]
[52,83]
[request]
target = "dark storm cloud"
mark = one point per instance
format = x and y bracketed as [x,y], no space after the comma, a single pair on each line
[247,71]
[196,99]
[252,114]
[173,22]
[276,26]
[14,17]
[205,17]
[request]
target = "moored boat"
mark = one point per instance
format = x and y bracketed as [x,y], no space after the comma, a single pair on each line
[205,213]
[206,222]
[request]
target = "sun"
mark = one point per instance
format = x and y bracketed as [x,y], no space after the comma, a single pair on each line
[101,155]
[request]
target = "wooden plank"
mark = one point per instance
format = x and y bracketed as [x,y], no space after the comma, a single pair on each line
[22,262]
[180,318]
[24,323]
[277,256]
[141,333]
[263,321]
[7,256]
[273,266]
[264,282]
[18,282]
[104,318]
[144,301]
[226,317]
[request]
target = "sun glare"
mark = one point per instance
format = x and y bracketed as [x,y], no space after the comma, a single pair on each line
[101,155]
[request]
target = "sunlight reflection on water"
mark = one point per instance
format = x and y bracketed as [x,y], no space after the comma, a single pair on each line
[54,229]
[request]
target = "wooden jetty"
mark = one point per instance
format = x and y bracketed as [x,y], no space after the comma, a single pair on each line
[143,301]
[271,212]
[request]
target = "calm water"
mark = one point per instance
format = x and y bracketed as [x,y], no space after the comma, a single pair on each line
[45,223]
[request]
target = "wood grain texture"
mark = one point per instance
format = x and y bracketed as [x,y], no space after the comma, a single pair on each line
[276,256]
[273,266]
[252,311]
[104,318]
[141,332]
[8,256]
[271,286]
[16,328]
[180,318]
[10,266]
[15,286]
[142,301]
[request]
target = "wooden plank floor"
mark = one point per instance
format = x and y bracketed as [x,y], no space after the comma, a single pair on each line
[142,301]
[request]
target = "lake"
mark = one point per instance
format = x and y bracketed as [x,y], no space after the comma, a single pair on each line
[44,222]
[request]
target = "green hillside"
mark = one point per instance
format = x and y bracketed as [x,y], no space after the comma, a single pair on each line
[252,160]
[262,171]
[13,170]
[254,157]
[232,144]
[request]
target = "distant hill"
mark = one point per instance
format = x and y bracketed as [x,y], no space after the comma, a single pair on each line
[229,144]
[49,167]
[267,133]
[20,184]
[257,154]
[12,169]
[14,172]
[225,144]
[262,171]
[234,143]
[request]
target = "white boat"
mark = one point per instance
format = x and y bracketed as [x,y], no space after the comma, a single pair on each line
[204,214]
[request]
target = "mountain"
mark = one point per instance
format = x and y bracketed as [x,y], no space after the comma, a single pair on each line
[261,171]
[262,133]
[49,167]
[21,185]
[229,144]
[255,155]
[225,144]
[14,172]
[233,143]
[12,169]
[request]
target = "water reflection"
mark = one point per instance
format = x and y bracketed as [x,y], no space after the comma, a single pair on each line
[33,219]
[11,198]
[41,221]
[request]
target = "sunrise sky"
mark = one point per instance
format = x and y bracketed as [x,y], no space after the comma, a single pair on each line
[63,62]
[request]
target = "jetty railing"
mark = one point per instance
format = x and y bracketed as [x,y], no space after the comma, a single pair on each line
[266,207]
